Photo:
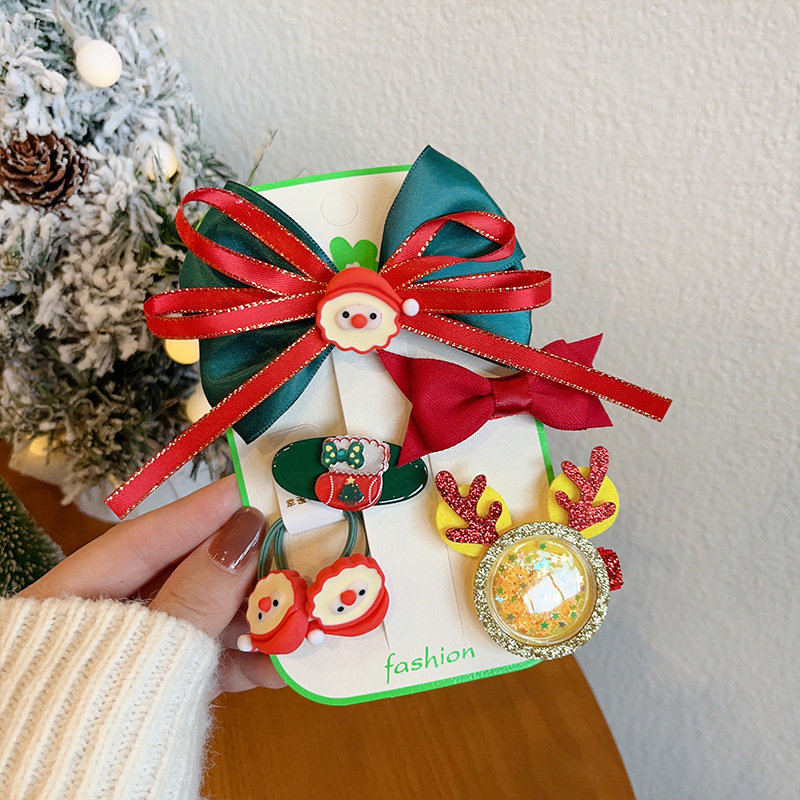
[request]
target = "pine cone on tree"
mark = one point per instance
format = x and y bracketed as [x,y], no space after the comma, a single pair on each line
[41,170]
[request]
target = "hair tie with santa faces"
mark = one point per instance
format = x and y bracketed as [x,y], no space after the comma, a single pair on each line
[347,598]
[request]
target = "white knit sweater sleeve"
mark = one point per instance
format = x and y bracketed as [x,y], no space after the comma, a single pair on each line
[101,699]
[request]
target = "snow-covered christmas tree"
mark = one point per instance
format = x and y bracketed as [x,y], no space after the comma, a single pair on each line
[91,175]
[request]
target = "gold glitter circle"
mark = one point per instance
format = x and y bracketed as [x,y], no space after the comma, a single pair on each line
[556,602]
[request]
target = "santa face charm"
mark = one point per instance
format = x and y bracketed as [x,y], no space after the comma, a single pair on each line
[276,613]
[360,311]
[349,597]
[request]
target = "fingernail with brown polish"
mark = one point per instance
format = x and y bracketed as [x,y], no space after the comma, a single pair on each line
[237,539]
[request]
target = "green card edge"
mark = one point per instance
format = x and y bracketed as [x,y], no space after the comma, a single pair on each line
[548,462]
[329,176]
[420,687]
[237,467]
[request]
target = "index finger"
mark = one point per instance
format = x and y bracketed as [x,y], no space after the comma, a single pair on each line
[130,554]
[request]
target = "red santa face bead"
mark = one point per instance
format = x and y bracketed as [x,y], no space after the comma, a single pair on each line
[359,311]
[349,597]
[359,316]
[276,612]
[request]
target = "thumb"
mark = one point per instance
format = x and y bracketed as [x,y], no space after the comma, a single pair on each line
[208,586]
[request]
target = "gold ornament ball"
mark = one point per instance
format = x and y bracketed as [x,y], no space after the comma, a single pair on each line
[39,446]
[541,590]
[160,158]
[98,62]
[184,351]
[197,405]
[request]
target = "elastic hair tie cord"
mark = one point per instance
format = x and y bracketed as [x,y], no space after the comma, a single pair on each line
[277,533]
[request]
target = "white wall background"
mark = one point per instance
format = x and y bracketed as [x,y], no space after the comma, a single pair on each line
[648,154]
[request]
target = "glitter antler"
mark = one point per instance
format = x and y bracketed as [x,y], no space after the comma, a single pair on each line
[479,530]
[582,514]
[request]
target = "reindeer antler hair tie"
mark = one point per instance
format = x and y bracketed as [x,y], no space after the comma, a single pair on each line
[540,590]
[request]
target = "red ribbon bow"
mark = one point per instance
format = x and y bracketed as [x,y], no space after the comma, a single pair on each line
[273,296]
[451,403]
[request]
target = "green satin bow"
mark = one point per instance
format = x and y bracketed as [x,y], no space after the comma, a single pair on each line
[353,456]
[434,186]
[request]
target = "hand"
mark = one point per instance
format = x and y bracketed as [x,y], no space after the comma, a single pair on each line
[195,559]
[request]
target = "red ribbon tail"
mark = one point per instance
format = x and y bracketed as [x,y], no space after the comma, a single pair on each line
[563,407]
[211,426]
[400,368]
[413,444]
[546,365]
